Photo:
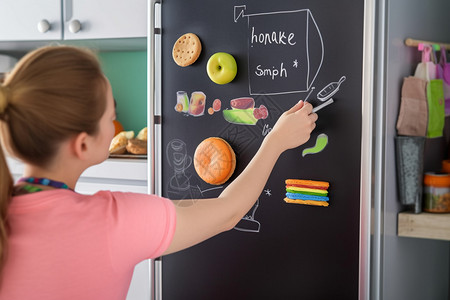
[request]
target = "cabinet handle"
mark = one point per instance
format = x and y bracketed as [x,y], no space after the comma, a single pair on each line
[74,26]
[43,26]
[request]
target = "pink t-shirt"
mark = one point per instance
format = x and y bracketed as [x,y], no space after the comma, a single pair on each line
[65,245]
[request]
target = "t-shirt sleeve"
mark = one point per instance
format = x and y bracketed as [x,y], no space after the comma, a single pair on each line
[140,226]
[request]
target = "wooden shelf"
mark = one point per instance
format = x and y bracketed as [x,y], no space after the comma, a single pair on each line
[424,225]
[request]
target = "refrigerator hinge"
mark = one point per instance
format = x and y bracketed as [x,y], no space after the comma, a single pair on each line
[157,119]
[157,31]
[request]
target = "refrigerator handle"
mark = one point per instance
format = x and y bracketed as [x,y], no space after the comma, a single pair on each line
[155,264]
[151,92]
[155,275]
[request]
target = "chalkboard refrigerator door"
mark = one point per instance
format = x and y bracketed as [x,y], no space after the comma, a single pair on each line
[285,51]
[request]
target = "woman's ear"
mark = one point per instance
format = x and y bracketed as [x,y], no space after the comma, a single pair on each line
[80,146]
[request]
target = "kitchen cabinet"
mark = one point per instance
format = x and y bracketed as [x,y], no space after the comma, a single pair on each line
[24,20]
[30,20]
[125,175]
[118,19]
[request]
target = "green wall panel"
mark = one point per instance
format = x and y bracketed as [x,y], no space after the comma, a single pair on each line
[127,72]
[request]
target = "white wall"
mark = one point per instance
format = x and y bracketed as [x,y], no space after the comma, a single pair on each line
[411,268]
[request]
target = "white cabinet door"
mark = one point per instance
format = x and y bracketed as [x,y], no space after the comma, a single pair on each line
[104,19]
[30,20]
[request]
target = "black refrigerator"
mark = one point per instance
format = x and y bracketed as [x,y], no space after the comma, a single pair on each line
[285,50]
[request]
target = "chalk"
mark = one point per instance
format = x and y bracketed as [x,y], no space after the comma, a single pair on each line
[319,107]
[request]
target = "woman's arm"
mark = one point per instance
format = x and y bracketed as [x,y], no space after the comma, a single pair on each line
[208,217]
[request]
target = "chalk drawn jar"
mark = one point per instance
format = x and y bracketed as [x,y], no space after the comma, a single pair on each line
[436,193]
[182,102]
[197,104]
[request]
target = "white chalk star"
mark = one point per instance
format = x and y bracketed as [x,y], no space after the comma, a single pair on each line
[268,192]
[295,64]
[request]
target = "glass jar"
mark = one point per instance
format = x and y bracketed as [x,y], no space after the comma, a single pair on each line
[436,193]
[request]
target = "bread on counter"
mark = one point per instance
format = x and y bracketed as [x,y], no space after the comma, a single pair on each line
[118,144]
[142,135]
[124,142]
[136,146]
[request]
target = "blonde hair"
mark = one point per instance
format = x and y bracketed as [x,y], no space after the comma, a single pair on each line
[52,94]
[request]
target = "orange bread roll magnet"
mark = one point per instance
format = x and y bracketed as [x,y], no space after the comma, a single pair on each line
[214,160]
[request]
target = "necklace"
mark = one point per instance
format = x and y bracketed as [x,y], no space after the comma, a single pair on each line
[42,181]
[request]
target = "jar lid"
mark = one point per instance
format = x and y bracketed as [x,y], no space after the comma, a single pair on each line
[446,166]
[437,180]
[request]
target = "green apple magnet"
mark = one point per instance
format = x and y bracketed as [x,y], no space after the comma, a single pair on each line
[221,68]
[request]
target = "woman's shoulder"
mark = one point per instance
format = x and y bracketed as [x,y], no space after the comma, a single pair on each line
[128,199]
[70,199]
[118,195]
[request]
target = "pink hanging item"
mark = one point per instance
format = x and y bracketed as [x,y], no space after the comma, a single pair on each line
[443,72]
[426,69]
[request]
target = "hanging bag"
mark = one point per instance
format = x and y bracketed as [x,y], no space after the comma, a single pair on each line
[436,111]
[426,69]
[443,72]
[413,115]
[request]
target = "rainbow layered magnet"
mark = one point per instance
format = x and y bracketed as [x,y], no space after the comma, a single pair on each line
[307,192]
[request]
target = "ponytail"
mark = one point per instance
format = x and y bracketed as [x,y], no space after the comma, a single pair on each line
[6,186]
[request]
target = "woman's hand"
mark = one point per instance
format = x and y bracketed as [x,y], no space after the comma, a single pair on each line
[294,127]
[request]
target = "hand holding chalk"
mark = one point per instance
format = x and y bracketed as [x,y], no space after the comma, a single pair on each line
[294,127]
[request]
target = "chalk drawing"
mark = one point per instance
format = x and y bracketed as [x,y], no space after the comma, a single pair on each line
[285,50]
[180,185]
[248,222]
[330,89]
[321,143]
[307,96]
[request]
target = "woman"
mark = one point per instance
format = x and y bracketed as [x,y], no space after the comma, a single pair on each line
[56,115]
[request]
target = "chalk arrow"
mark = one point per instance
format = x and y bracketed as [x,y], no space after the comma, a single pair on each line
[239,11]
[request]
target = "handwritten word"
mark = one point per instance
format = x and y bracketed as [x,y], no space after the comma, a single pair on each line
[271,72]
[273,37]
[266,129]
